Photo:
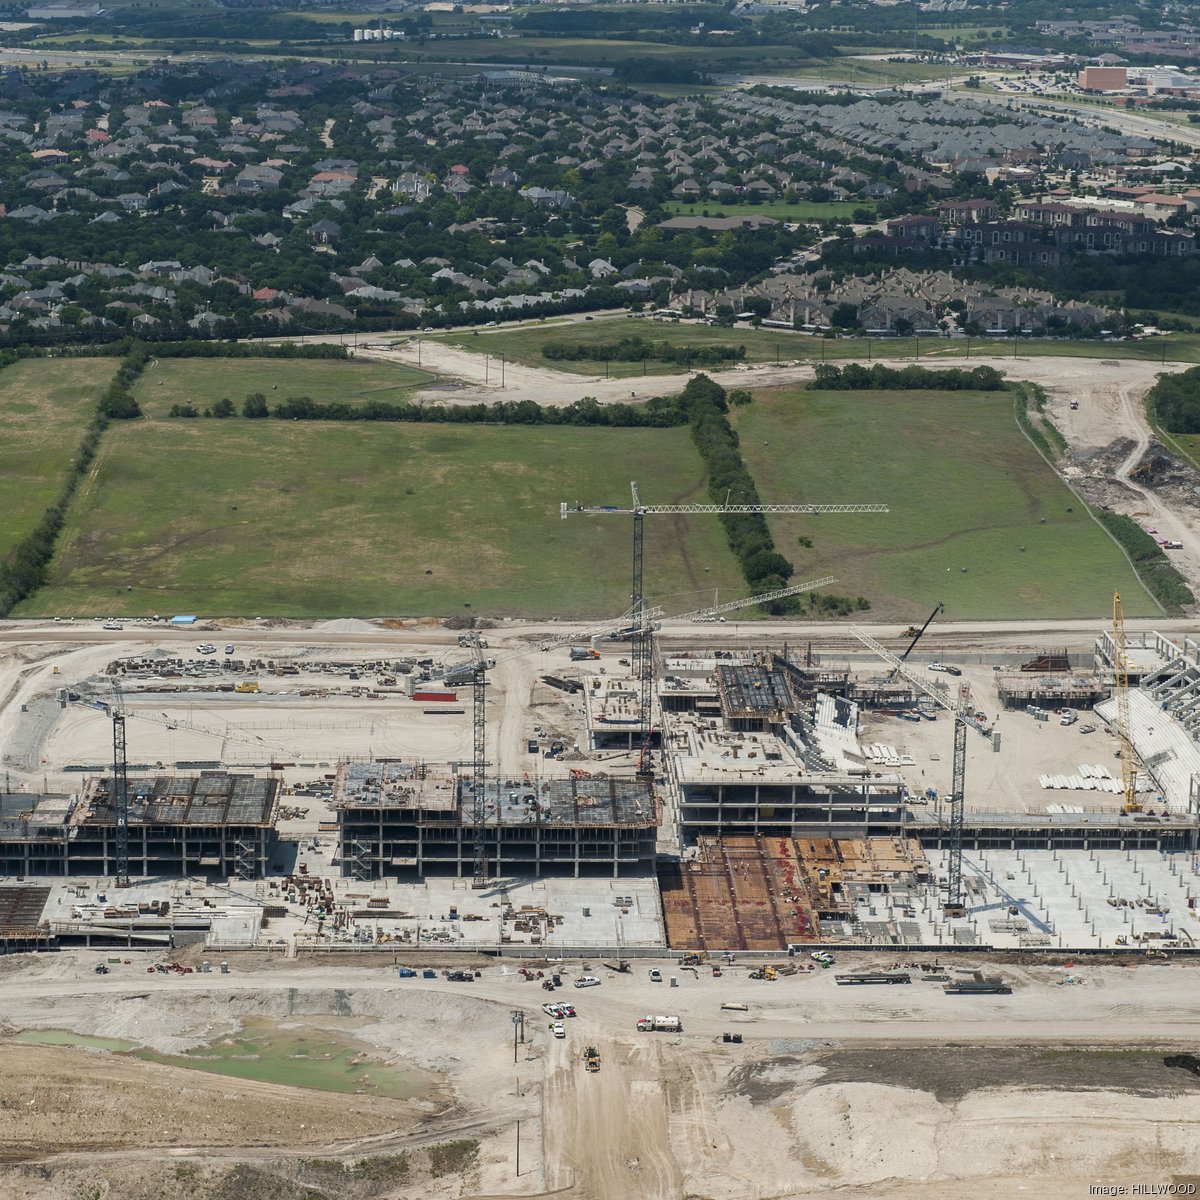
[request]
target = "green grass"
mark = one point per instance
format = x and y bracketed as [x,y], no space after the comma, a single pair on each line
[802,210]
[966,489]
[338,520]
[524,344]
[203,381]
[45,406]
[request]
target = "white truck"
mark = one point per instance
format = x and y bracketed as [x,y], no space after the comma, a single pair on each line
[662,1024]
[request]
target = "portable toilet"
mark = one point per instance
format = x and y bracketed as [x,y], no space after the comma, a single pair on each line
[224,967]
[674,981]
[205,967]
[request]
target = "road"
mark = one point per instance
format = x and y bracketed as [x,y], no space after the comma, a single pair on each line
[1119,119]
[996,634]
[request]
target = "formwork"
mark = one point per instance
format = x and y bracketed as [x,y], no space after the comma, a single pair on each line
[21,910]
[762,893]
[1051,691]
[740,893]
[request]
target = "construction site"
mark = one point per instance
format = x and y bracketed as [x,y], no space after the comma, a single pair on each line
[855,794]
[394,886]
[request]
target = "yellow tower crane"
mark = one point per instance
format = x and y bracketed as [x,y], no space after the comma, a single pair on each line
[1121,688]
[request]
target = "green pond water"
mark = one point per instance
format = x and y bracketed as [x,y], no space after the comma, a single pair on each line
[307,1058]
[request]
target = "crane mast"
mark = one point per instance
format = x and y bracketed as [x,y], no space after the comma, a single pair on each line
[960,710]
[642,656]
[1121,688]
[479,666]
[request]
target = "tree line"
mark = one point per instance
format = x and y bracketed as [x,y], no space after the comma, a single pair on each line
[24,570]
[856,377]
[729,481]
[1175,401]
[639,349]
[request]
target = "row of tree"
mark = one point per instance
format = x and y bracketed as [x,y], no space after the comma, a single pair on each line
[1176,401]
[658,413]
[25,568]
[640,349]
[855,377]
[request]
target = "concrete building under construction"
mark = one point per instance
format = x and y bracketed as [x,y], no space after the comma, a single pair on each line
[212,824]
[405,820]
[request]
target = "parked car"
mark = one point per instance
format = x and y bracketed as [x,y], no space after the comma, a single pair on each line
[587,981]
[655,975]
[558,1029]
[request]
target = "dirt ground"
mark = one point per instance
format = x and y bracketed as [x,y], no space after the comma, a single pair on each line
[850,1091]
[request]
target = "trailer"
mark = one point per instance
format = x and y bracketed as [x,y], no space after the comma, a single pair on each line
[978,987]
[873,977]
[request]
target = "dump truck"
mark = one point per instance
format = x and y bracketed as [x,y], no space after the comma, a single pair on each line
[660,1024]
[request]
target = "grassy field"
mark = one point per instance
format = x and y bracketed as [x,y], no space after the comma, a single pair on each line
[319,519]
[802,210]
[954,505]
[45,406]
[203,381]
[524,344]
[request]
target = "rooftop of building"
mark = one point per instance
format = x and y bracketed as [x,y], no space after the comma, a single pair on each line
[212,798]
[704,752]
[753,690]
[574,801]
[409,784]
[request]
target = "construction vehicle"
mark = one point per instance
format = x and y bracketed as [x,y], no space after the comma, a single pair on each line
[659,1024]
[915,635]
[620,966]
[582,653]
[245,688]
[767,973]
[591,1059]
[694,959]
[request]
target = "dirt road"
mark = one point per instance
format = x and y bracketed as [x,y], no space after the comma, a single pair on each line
[861,1091]
[1095,403]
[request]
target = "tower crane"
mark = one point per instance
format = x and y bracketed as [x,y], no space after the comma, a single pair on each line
[116,710]
[960,710]
[1131,803]
[643,659]
[475,671]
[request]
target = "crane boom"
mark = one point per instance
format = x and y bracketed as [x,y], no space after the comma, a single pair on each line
[917,636]
[642,649]
[960,710]
[748,601]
